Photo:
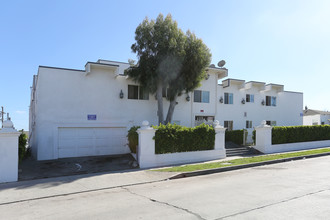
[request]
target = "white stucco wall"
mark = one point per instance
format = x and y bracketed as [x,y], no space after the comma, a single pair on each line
[64,98]
[8,153]
[317,119]
[287,111]
[310,119]
[325,119]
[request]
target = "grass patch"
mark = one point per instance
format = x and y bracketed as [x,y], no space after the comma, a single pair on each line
[242,161]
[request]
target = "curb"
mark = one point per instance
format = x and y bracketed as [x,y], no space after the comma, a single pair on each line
[238,167]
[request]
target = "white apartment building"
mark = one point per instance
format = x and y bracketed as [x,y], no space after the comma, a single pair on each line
[316,117]
[88,112]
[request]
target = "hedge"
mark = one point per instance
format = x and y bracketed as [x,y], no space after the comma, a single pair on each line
[235,136]
[173,138]
[133,138]
[254,136]
[22,140]
[293,134]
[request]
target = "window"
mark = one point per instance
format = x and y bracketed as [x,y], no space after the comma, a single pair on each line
[270,101]
[248,124]
[201,96]
[229,98]
[204,119]
[249,98]
[137,92]
[143,93]
[133,92]
[271,123]
[228,125]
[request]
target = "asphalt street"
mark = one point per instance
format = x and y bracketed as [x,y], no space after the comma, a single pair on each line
[291,190]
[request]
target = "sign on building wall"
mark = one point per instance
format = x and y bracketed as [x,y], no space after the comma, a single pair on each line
[91,117]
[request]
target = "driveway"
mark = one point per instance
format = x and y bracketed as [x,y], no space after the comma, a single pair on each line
[30,169]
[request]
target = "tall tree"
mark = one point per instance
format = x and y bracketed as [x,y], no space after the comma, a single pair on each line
[168,59]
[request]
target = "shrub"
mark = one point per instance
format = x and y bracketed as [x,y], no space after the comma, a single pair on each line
[293,134]
[133,138]
[173,138]
[235,136]
[254,136]
[22,141]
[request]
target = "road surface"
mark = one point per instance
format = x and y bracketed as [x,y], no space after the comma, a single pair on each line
[291,190]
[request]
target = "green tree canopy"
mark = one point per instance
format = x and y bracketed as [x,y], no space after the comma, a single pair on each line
[168,58]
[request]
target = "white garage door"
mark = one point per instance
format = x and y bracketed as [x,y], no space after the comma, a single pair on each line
[79,142]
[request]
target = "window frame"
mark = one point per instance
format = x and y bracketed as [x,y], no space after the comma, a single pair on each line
[229,125]
[201,96]
[229,98]
[135,89]
[139,93]
[270,100]
[248,124]
[249,98]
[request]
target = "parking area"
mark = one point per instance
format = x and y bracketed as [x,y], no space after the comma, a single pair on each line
[30,169]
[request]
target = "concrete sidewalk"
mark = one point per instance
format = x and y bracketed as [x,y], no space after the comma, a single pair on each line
[45,188]
[65,185]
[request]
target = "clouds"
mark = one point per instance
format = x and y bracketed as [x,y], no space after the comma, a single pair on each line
[20,112]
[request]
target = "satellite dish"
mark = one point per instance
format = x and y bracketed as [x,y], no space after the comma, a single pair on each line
[212,65]
[221,63]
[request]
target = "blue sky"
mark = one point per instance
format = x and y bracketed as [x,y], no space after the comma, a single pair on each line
[280,41]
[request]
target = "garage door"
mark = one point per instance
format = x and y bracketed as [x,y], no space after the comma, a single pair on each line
[79,142]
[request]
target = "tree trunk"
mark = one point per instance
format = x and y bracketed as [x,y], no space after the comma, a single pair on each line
[159,96]
[171,110]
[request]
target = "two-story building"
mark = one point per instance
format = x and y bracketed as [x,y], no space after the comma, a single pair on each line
[88,112]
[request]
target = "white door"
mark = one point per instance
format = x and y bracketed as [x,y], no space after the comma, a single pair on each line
[79,142]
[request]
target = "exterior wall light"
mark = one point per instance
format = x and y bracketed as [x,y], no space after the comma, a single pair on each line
[188,98]
[221,100]
[263,102]
[121,94]
[207,76]
[243,101]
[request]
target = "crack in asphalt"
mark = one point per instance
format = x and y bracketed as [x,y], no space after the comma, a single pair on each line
[75,193]
[165,203]
[276,203]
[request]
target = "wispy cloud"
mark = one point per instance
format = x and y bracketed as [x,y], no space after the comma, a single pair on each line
[20,112]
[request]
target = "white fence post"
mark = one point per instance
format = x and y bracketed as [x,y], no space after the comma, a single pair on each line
[8,152]
[146,147]
[219,136]
[263,137]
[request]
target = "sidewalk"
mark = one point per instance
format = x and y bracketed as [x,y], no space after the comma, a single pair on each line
[57,186]
[43,188]
[65,185]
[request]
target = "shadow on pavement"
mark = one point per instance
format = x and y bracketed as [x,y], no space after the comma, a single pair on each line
[30,169]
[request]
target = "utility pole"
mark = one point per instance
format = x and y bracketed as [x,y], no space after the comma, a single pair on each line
[1,116]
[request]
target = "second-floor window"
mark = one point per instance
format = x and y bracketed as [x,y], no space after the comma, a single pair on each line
[201,96]
[229,98]
[137,92]
[249,98]
[270,100]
